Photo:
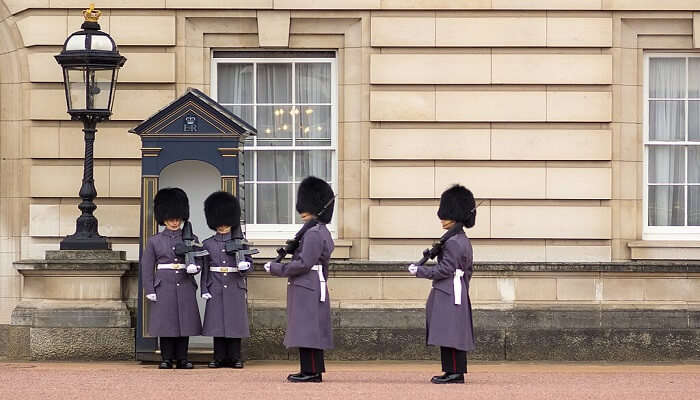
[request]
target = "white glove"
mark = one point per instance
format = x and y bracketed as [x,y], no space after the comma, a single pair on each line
[206,296]
[152,297]
[243,266]
[267,267]
[192,269]
[412,269]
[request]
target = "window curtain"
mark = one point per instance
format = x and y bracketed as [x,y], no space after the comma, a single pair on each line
[667,81]
[274,86]
[235,86]
[313,125]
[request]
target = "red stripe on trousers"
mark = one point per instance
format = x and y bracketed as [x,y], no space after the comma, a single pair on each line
[454,360]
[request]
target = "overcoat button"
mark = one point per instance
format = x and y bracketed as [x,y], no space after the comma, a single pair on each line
[178,284]
[225,286]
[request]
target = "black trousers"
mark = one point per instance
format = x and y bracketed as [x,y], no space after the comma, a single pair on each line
[311,360]
[174,348]
[227,349]
[453,361]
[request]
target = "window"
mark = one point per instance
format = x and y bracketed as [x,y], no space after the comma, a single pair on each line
[292,102]
[672,147]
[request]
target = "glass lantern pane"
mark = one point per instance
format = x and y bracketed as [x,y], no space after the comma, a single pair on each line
[99,94]
[113,89]
[100,42]
[75,85]
[76,42]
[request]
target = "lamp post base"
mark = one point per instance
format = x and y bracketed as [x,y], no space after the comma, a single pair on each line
[78,241]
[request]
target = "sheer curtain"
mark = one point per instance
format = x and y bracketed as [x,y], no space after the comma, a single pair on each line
[235,89]
[274,87]
[313,126]
[667,122]
[292,111]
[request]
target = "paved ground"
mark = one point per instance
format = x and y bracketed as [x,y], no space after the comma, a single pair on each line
[345,380]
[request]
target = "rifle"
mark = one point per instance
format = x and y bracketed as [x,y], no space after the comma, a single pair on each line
[189,249]
[432,252]
[239,247]
[293,244]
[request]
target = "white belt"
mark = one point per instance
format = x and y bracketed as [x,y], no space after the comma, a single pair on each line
[457,282]
[319,269]
[171,266]
[223,269]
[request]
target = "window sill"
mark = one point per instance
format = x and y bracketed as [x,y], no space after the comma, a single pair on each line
[665,250]
[268,248]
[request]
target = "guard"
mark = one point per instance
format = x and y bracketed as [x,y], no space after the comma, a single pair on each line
[224,280]
[448,309]
[308,303]
[168,283]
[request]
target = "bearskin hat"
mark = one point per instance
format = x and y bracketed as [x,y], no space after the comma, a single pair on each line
[313,195]
[171,203]
[457,203]
[222,208]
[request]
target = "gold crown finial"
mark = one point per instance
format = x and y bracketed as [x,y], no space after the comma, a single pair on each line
[92,15]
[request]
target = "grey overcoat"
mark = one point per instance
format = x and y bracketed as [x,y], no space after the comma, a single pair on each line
[448,324]
[308,318]
[175,312]
[226,314]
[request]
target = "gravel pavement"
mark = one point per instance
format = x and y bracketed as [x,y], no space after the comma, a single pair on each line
[349,380]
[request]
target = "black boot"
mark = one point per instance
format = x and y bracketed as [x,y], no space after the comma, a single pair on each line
[302,377]
[448,378]
[237,364]
[184,364]
[216,364]
[166,364]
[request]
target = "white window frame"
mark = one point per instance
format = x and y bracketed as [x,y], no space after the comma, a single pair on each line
[664,232]
[284,231]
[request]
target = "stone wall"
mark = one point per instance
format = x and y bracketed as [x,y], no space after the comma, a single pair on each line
[530,311]
[535,105]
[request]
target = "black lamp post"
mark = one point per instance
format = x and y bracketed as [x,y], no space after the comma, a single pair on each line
[90,61]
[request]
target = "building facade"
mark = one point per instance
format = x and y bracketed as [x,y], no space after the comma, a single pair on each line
[576,123]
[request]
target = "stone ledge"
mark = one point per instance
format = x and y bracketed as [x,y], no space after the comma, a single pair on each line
[91,255]
[42,266]
[665,250]
[71,314]
[626,266]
